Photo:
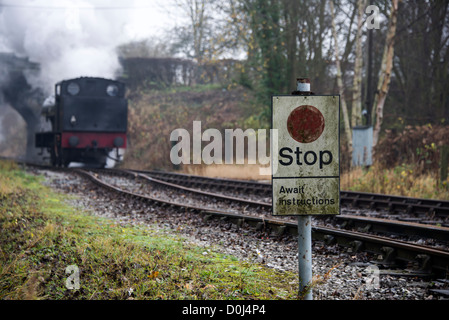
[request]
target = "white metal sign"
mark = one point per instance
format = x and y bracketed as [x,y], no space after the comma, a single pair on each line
[306,159]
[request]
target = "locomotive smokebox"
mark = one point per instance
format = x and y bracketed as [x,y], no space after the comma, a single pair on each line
[89,119]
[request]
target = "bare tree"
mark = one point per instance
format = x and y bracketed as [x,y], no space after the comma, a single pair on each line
[197,36]
[385,73]
[340,81]
[147,48]
[356,115]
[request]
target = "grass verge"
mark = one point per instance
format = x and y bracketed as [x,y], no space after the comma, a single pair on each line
[48,247]
[401,180]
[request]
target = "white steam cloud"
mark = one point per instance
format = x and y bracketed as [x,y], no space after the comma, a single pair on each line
[70,38]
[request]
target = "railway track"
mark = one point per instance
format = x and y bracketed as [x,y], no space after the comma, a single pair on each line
[405,208]
[410,258]
[372,224]
[423,211]
[419,259]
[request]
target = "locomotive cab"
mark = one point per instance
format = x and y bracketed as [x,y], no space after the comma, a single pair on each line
[89,120]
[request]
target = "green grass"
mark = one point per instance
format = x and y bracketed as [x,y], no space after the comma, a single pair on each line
[401,180]
[41,236]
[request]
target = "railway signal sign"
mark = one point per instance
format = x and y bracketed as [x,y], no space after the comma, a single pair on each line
[306,159]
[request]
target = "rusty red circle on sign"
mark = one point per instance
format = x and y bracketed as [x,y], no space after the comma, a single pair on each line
[305,124]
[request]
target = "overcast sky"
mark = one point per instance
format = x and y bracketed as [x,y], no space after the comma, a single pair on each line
[137,18]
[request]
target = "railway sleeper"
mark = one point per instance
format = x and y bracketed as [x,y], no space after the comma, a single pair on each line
[423,263]
[329,239]
[387,257]
[260,226]
[399,266]
[431,213]
[391,207]
[365,229]
[355,246]
[236,222]
[278,230]
[441,288]
[207,217]
[347,224]
[421,266]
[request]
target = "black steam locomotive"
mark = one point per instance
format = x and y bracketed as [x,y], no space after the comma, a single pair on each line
[88,120]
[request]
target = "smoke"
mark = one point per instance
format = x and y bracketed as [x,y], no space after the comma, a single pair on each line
[68,38]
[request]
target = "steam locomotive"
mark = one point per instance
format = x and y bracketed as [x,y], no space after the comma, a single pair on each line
[88,119]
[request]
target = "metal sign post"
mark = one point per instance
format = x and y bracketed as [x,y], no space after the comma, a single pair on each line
[305,256]
[306,165]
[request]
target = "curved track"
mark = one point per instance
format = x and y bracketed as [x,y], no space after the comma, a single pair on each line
[373,224]
[416,208]
[418,259]
[424,260]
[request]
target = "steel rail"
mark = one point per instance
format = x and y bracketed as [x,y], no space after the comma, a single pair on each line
[397,227]
[377,225]
[374,201]
[430,259]
[211,194]
[392,203]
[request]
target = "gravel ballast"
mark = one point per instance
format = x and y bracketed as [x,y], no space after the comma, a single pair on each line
[338,273]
